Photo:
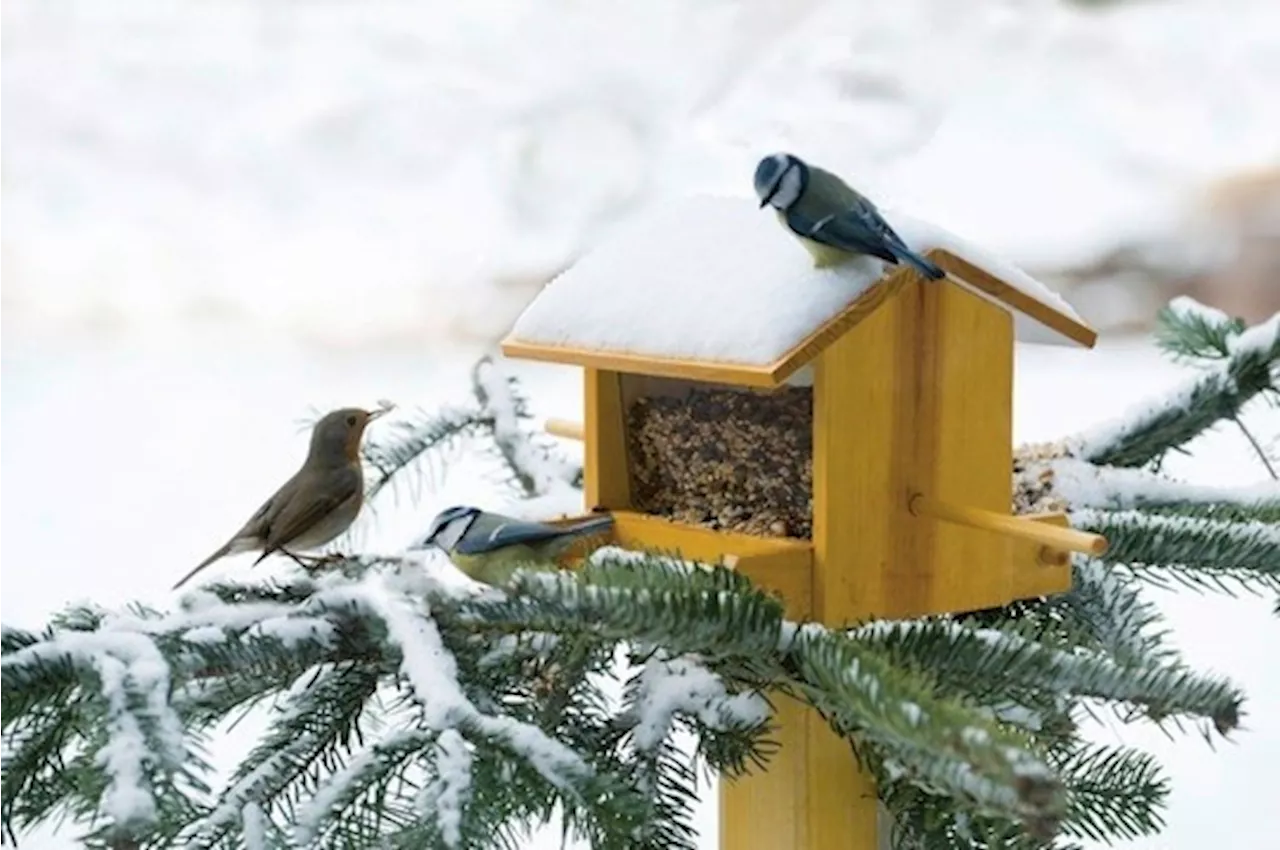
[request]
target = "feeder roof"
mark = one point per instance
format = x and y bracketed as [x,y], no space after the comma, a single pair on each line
[714,288]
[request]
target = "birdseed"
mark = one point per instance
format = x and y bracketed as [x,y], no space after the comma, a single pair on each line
[726,459]
[1033,481]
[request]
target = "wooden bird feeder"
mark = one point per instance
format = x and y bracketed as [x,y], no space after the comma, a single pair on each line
[904,393]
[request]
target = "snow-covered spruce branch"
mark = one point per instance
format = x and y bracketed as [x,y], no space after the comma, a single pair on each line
[1085,485]
[501,413]
[1112,793]
[1243,366]
[410,711]
[996,667]
[1193,551]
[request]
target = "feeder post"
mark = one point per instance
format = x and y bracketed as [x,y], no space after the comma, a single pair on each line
[863,395]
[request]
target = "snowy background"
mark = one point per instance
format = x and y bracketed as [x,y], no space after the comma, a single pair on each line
[225,215]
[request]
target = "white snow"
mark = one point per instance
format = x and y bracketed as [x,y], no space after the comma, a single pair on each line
[129,666]
[205,634]
[255,826]
[1258,339]
[432,673]
[448,792]
[717,279]
[1185,305]
[292,631]
[506,646]
[549,474]
[672,686]
[1088,486]
[350,171]
[128,797]
[309,816]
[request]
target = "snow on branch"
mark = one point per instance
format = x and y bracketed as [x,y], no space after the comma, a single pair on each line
[447,794]
[1084,485]
[1010,661]
[548,483]
[144,732]
[537,469]
[432,673]
[942,745]
[1247,368]
[668,687]
[1198,551]
[1122,623]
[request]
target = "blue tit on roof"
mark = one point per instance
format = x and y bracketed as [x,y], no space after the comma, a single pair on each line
[830,218]
[490,547]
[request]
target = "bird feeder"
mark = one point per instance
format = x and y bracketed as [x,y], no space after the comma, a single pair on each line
[841,435]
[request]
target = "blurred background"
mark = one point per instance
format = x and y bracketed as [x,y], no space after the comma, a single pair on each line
[379,173]
[223,215]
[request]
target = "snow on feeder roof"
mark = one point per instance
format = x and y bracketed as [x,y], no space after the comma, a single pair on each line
[715,288]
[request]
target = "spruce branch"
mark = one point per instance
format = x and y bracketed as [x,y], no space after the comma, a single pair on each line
[1113,792]
[1191,331]
[1002,664]
[1196,552]
[946,745]
[500,412]
[1121,623]
[1245,368]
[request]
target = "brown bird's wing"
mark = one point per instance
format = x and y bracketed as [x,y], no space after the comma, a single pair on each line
[319,507]
[250,535]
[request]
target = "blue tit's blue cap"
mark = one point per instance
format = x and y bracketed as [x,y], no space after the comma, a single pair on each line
[769,175]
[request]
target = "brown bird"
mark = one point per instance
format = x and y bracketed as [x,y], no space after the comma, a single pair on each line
[317,504]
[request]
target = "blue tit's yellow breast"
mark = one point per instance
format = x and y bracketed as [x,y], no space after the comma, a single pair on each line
[496,568]
[824,256]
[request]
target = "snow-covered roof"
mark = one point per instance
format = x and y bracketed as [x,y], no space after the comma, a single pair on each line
[718,281]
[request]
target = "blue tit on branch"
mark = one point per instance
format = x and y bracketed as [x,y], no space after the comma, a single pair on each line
[829,217]
[490,547]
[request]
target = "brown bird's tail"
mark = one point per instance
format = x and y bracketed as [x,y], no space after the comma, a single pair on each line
[224,550]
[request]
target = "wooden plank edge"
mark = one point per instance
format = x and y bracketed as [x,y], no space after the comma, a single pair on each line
[867,302]
[980,279]
[711,371]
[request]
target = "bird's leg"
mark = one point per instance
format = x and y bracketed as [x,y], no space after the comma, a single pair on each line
[299,559]
[316,562]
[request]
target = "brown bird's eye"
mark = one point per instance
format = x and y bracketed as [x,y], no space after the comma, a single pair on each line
[351,420]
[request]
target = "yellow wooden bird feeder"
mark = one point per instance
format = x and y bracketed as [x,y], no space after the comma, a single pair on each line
[907,386]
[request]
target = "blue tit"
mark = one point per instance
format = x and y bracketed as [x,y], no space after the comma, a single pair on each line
[490,547]
[829,217]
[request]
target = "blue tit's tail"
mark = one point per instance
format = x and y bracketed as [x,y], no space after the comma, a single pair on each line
[917,262]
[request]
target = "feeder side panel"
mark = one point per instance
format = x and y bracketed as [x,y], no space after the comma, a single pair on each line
[964,445]
[606,478]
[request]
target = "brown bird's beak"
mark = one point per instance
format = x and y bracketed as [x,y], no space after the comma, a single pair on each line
[384,407]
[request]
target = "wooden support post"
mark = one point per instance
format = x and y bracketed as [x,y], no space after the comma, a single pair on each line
[820,799]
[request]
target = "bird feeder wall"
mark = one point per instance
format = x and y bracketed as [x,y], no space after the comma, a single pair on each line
[915,401]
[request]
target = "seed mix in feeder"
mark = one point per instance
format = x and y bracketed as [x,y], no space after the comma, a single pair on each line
[726,459]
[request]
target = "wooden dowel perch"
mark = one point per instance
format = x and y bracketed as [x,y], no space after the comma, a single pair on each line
[1054,537]
[563,428]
